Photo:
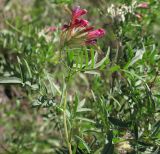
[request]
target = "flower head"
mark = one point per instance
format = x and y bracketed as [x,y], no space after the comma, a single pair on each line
[78,30]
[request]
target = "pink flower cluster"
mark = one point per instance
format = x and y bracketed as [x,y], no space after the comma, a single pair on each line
[79,29]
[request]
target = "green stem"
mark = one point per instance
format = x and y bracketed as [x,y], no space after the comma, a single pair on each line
[64,110]
[65,123]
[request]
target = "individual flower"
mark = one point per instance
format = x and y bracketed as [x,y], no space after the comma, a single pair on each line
[95,34]
[143,5]
[75,21]
[77,12]
[139,16]
[80,23]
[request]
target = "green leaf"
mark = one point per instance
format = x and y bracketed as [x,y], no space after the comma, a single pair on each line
[83,110]
[156,129]
[76,101]
[53,86]
[105,59]
[84,143]
[28,68]
[10,80]
[85,119]
[157,151]
[92,58]
[81,104]
[81,60]
[92,72]
[138,56]
[86,58]
[114,68]
[21,69]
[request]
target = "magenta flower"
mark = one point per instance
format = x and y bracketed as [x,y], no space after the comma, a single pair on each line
[77,12]
[96,34]
[143,5]
[78,30]
[75,21]
[80,23]
[93,35]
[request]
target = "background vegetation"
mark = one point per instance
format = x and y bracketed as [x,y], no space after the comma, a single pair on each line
[111,101]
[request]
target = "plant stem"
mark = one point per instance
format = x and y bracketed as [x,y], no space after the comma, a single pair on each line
[65,123]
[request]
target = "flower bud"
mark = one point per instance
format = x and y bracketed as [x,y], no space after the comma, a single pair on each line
[81,23]
[52,29]
[143,5]
[77,12]
[96,34]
